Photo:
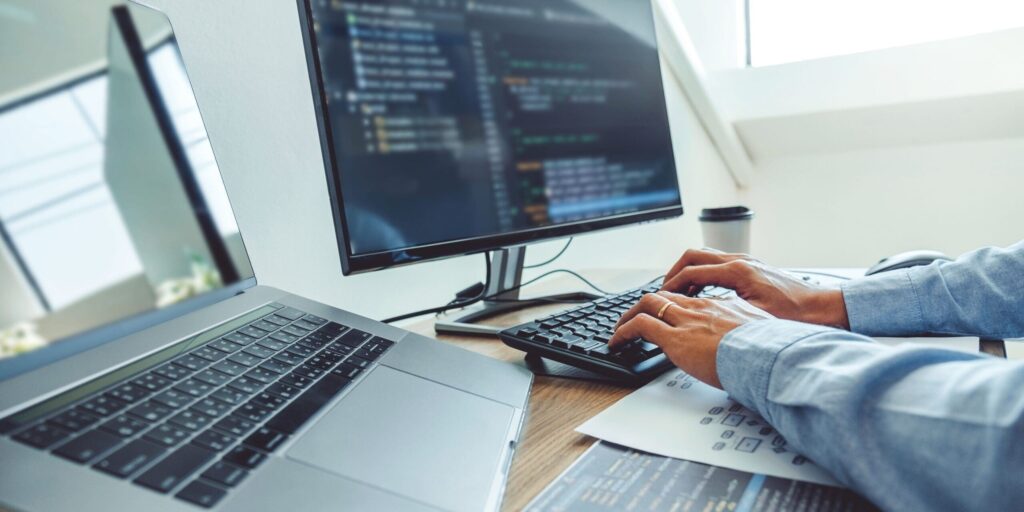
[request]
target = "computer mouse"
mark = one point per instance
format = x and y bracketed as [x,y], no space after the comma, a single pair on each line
[906,260]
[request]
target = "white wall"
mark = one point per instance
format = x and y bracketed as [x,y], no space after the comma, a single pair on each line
[249,75]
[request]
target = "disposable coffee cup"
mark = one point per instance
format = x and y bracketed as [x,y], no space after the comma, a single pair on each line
[727,229]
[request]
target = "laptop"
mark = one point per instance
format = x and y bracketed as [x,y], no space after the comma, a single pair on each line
[145,369]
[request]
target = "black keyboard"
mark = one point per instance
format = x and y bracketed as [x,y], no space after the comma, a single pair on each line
[579,337]
[194,419]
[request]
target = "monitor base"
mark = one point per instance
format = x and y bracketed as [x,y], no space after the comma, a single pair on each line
[463,321]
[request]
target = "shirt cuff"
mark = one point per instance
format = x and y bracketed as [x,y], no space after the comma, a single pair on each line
[747,354]
[884,305]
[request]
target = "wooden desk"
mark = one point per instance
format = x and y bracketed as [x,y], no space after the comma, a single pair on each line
[549,443]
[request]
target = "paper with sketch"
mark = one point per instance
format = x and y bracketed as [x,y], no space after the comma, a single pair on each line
[679,416]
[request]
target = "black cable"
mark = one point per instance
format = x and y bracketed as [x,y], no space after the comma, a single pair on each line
[455,303]
[546,274]
[553,258]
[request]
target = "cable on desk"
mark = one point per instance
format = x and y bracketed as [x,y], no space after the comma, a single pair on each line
[549,273]
[454,304]
[553,258]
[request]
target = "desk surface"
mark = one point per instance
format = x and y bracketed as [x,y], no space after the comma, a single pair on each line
[549,443]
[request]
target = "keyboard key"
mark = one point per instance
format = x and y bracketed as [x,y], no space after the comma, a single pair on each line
[152,382]
[308,371]
[277,320]
[246,385]
[225,474]
[190,420]
[124,426]
[229,396]
[192,362]
[284,337]
[128,393]
[131,458]
[201,493]
[43,436]
[369,355]
[291,314]
[274,367]
[260,352]
[241,339]
[297,381]
[353,338]
[209,354]
[172,371]
[268,400]
[300,351]
[261,375]
[74,420]
[307,325]
[103,406]
[284,391]
[226,346]
[314,319]
[272,344]
[177,467]
[246,457]
[265,439]
[358,362]
[346,371]
[245,359]
[214,440]
[264,325]
[167,434]
[210,407]
[88,446]
[309,403]
[297,331]
[151,411]
[253,332]
[212,377]
[289,359]
[193,387]
[252,412]
[235,426]
[230,368]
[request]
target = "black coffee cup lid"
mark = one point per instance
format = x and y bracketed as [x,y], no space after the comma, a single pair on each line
[726,214]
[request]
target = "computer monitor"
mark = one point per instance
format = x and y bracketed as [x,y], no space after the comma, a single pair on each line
[452,127]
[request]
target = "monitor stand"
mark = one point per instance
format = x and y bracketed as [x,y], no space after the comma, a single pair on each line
[503,288]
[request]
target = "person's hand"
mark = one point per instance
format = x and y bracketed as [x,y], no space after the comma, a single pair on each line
[689,329]
[773,290]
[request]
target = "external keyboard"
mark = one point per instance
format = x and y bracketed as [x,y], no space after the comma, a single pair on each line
[194,419]
[579,337]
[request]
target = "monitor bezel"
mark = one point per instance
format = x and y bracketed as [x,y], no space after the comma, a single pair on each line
[368,262]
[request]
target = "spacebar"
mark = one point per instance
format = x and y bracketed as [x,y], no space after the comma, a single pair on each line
[307,404]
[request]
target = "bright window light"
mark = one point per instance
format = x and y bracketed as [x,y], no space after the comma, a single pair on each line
[794,30]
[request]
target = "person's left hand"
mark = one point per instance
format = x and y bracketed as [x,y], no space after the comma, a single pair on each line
[689,329]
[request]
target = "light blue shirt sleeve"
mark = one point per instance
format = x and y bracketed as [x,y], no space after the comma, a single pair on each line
[910,428]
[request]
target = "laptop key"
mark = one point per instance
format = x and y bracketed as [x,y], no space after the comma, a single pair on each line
[272,344]
[246,385]
[260,352]
[194,388]
[88,446]
[252,411]
[225,474]
[284,391]
[177,467]
[297,381]
[284,337]
[245,359]
[42,436]
[124,426]
[268,400]
[201,493]
[128,393]
[235,426]
[130,458]
[167,434]
[152,382]
[230,368]
[277,320]
[314,319]
[253,332]
[211,377]
[291,314]
[150,411]
[289,359]
[209,354]
[229,396]
[306,405]
[210,407]
[300,351]
[354,338]
[266,439]
[74,420]
[214,440]
[192,362]
[246,457]
[190,420]
[241,339]
[274,366]
[172,371]
[103,406]
[225,346]
[261,375]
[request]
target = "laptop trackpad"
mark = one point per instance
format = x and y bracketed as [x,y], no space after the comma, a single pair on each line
[413,437]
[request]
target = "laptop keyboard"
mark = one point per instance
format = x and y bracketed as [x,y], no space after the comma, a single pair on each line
[195,426]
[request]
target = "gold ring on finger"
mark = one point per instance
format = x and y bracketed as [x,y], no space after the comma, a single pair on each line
[664,308]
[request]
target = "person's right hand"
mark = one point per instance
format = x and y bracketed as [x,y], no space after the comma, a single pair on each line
[775,291]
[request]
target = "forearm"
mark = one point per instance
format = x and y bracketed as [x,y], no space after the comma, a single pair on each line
[980,294]
[909,428]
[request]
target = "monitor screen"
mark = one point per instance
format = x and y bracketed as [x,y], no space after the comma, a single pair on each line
[112,208]
[456,126]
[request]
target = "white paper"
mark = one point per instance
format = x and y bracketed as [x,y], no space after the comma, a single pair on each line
[1014,349]
[678,416]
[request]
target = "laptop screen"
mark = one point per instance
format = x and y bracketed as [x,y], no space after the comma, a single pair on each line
[111,202]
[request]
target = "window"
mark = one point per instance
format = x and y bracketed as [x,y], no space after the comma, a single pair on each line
[784,31]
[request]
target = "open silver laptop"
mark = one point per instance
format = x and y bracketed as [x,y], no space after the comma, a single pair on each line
[144,369]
